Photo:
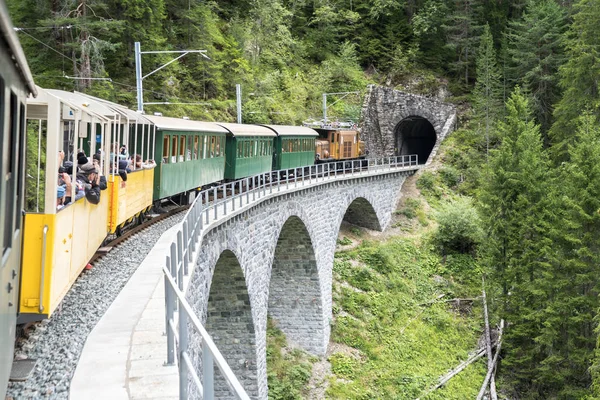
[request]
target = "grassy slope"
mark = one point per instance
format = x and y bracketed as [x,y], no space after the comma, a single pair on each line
[391,338]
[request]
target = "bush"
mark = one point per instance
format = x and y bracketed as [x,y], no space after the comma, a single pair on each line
[450,176]
[459,226]
[411,207]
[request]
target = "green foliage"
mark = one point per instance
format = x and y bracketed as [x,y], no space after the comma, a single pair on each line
[459,226]
[536,53]
[578,76]
[486,95]
[288,372]
[403,342]
[411,206]
[344,241]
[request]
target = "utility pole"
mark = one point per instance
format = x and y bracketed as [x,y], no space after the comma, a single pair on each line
[138,68]
[238,102]
[325,102]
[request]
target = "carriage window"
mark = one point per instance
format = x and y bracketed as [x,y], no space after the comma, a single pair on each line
[190,147]
[174,149]
[255,147]
[165,155]
[181,148]
[239,150]
[218,146]
[196,147]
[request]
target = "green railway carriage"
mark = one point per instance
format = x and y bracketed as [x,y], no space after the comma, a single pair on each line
[188,154]
[294,146]
[249,150]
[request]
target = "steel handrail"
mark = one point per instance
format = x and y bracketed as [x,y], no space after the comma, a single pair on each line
[208,346]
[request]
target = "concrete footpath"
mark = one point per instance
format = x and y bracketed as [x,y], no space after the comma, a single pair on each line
[124,355]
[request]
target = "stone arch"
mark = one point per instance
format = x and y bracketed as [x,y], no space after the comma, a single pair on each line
[230,324]
[362,213]
[295,298]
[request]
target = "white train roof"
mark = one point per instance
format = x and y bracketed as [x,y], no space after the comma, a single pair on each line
[289,130]
[247,130]
[184,125]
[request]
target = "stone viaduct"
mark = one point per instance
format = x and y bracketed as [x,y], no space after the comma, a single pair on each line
[398,123]
[274,256]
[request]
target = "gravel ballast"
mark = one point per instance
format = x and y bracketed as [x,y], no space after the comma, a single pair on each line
[57,343]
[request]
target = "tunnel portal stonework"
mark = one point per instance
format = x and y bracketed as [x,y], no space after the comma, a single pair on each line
[276,258]
[384,110]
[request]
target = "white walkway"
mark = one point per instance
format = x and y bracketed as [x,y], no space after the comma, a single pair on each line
[124,356]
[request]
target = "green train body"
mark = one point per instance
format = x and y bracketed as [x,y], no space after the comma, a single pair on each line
[191,154]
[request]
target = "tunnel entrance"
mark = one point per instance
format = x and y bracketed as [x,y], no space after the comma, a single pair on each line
[414,135]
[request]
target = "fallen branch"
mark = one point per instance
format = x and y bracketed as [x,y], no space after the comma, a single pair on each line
[488,341]
[432,301]
[445,378]
[490,372]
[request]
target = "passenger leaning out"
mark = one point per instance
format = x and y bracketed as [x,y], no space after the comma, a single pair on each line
[90,178]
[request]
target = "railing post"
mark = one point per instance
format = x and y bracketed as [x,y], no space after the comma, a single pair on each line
[175,261]
[215,201]
[187,247]
[225,199]
[247,190]
[206,205]
[208,375]
[183,346]
[232,196]
[170,311]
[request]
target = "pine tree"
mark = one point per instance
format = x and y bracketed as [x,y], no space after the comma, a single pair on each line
[578,76]
[463,30]
[487,92]
[518,249]
[536,53]
[578,274]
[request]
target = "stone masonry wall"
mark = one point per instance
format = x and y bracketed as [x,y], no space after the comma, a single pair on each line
[285,247]
[384,108]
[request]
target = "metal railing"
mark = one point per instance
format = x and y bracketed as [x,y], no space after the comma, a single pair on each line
[213,204]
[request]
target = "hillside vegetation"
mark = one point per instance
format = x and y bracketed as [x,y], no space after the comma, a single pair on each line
[516,193]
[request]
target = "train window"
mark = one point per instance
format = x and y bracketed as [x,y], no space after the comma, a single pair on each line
[195,147]
[181,148]
[218,150]
[223,143]
[165,155]
[174,149]
[188,154]
[255,147]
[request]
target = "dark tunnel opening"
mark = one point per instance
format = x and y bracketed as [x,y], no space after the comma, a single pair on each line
[415,135]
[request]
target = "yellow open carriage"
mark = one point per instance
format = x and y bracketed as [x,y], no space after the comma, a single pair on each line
[58,244]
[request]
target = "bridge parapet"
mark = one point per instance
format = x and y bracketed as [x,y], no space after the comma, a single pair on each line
[273,238]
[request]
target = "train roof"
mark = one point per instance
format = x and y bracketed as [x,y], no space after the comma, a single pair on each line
[10,37]
[184,125]
[126,112]
[247,130]
[288,130]
[83,103]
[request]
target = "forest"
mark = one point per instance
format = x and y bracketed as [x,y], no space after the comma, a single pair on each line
[524,74]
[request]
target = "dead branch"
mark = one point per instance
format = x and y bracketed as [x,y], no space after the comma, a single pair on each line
[494,361]
[488,341]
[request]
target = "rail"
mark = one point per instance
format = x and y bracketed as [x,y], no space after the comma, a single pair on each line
[211,205]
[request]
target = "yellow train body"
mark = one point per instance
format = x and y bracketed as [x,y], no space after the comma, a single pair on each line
[128,199]
[56,248]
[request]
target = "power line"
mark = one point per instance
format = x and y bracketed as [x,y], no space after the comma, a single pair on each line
[48,46]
